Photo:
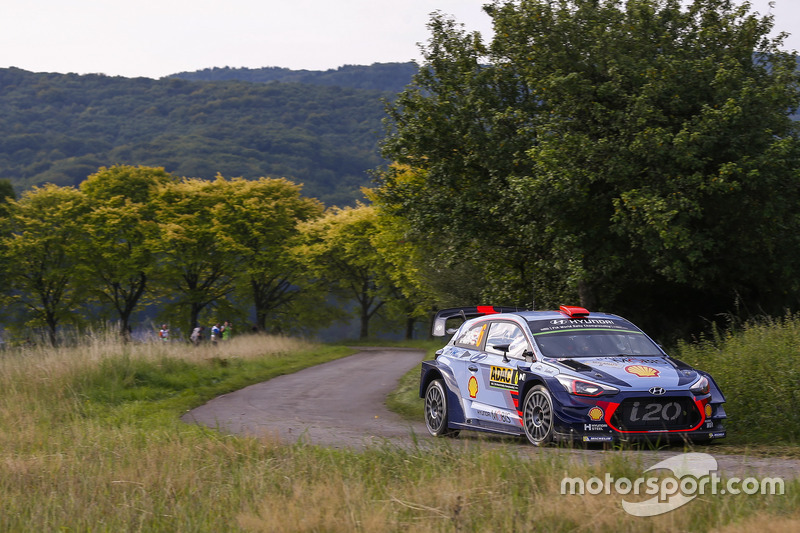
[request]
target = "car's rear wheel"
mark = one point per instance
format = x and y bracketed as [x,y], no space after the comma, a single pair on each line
[436,410]
[537,416]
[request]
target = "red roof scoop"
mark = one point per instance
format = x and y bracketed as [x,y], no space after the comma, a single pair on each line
[573,311]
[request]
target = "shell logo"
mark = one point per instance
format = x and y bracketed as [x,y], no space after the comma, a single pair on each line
[642,371]
[473,387]
[595,413]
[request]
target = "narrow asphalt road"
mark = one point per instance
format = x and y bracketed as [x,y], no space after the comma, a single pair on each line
[341,404]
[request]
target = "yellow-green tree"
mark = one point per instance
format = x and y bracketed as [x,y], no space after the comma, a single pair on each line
[118,228]
[257,221]
[42,244]
[6,194]
[409,260]
[338,249]
[197,267]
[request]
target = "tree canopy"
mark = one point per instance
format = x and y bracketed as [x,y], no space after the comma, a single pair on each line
[258,221]
[131,237]
[388,77]
[632,156]
[341,250]
[117,234]
[40,244]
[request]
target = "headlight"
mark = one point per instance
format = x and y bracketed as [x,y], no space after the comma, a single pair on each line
[581,387]
[700,387]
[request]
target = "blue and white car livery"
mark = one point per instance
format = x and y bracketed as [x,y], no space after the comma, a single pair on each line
[563,375]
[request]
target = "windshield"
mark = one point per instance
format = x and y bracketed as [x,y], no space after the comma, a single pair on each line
[575,339]
[594,344]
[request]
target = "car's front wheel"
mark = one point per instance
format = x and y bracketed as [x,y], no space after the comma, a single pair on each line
[436,410]
[537,416]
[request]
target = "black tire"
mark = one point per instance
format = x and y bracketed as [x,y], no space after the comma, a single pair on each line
[537,416]
[436,415]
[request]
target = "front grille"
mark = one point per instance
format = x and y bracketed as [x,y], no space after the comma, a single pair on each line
[652,414]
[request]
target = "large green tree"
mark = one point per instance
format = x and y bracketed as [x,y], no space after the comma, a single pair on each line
[41,244]
[119,227]
[339,251]
[197,268]
[258,222]
[630,154]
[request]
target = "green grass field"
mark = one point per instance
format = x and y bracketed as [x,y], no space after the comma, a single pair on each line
[90,440]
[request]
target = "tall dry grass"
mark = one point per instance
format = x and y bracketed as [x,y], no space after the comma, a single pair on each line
[91,441]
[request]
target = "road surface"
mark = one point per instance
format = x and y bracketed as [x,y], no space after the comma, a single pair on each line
[340,404]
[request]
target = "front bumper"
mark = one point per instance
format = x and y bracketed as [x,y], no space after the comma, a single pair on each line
[634,416]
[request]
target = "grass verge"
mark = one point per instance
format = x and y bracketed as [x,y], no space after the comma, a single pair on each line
[92,441]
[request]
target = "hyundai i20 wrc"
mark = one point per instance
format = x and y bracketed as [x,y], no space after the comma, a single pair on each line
[569,375]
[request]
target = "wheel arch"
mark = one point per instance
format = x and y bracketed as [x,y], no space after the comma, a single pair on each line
[432,371]
[530,381]
[716,392]
[429,373]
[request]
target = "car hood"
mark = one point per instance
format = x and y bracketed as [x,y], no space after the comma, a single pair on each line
[636,372]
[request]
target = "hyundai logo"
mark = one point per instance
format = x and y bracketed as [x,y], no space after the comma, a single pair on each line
[657,391]
[560,322]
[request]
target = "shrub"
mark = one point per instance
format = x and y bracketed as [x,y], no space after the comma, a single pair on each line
[757,366]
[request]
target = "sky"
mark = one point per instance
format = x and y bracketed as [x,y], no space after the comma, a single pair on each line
[155,38]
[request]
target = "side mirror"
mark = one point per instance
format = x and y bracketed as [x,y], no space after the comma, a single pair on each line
[503,348]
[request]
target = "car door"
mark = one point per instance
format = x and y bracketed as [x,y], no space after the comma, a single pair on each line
[497,401]
[466,350]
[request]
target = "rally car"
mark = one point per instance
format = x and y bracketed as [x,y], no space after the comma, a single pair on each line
[569,374]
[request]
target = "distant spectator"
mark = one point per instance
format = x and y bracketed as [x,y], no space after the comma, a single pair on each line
[227,330]
[163,333]
[197,335]
[215,333]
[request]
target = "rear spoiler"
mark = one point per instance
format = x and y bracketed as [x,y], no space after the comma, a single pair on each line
[439,329]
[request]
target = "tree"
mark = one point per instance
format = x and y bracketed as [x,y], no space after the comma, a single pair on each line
[118,230]
[6,191]
[6,194]
[196,265]
[41,244]
[629,154]
[337,249]
[413,271]
[258,222]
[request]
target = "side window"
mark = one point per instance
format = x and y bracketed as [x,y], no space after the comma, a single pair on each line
[506,333]
[472,337]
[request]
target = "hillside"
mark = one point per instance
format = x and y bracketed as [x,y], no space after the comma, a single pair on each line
[321,129]
[390,77]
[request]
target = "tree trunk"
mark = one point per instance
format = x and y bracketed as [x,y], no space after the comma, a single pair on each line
[364,324]
[124,327]
[410,321]
[52,327]
[194,315]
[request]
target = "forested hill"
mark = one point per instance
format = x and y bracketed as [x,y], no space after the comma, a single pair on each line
[390,77]
[59,128]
